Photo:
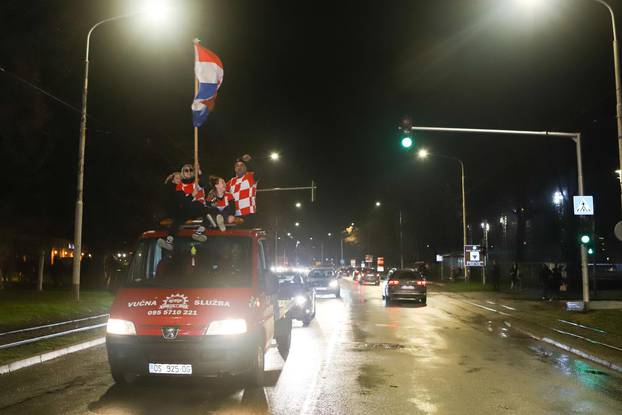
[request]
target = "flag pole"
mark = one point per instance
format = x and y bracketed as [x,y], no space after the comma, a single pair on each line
[196,129]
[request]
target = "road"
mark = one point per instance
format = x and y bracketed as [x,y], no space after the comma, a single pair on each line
[358,357]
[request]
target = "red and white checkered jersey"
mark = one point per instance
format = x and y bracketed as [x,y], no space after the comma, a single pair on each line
[188,189]
[244,191]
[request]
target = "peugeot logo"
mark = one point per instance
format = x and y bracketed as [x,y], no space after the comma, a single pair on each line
[170,333]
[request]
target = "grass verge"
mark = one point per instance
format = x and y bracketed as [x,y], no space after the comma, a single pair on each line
[19,309]
[461,287]
[44,346]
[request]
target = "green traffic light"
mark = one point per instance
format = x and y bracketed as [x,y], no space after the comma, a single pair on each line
[590,251]
[585,239]
[407,142]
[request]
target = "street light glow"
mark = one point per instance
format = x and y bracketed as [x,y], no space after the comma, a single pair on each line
[528,3]
[274,156]
[297,224]
[330,234]
[378,204]
[558,198]
[423,153]
[298,204]
[156,10]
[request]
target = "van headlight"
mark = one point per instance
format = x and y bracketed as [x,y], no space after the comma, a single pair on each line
[300,300]
[121,327]
[226,327]
[333,284]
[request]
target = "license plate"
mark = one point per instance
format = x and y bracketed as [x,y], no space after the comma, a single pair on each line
[170,369]
[408,287]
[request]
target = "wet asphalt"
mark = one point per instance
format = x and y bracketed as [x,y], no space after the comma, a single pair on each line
[358,357]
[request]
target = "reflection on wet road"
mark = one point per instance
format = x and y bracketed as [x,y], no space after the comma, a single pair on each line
[359,356]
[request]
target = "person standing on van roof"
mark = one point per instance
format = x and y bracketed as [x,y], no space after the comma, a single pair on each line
[188,203]
[243,187]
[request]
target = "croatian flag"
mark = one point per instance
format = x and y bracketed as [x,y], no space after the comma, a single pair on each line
[209,71]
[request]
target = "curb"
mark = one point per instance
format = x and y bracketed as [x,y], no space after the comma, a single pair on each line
[20,364]
[573,350]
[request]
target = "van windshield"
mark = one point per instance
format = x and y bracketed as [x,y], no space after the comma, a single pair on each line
[219,262]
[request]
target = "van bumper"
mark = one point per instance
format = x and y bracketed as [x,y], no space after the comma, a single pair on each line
[210,356]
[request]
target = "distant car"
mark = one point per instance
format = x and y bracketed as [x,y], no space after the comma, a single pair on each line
[369,276]
[405,284]
[324,281]
[361,272]
[294,285]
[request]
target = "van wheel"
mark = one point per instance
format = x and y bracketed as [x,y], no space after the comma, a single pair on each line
[283,336]
[256,375]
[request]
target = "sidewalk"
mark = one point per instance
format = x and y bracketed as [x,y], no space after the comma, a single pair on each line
[597,334]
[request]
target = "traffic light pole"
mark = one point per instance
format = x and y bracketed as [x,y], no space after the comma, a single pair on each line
[576,137]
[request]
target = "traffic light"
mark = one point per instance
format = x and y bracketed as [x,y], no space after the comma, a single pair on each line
[406,136]
[586,234]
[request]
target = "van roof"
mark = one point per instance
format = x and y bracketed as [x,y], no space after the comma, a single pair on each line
[187,232]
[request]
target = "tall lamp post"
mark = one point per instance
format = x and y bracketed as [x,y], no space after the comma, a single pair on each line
[77,253]
[423,154]
[486,227]
[616,70]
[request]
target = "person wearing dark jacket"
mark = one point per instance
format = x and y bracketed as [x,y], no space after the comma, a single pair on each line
[220,203]
[187,202]
[545,280]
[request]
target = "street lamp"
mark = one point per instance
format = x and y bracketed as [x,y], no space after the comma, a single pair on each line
[558,198]
[378,204]
[274,156]
[155,11]
[423,154]
[297,224]
[616,71]
[298,205]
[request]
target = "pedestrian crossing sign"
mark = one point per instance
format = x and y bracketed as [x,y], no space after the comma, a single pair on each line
[583,205]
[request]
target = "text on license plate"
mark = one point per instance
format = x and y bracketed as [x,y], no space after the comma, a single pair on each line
[170,369]
[408,287]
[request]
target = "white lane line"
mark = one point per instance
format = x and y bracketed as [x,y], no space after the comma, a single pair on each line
[491,302]
[508,307]
[582,326]
[487,308]
[587,339]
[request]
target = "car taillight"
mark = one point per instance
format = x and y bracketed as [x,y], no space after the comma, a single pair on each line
[422,282]
[394,282]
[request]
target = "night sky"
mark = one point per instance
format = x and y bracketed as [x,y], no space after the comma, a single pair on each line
[326,85]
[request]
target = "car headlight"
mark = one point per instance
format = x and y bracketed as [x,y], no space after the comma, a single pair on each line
[301,300]
[226,327]
[122,327]
[334,284]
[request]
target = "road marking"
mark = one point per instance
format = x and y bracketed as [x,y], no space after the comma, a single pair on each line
[582,326]
[487,308]
[508,307]
[491,302]
[587,339]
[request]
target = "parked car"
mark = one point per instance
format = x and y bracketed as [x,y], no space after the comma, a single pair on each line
[324,281]
[405,284]
[293,285]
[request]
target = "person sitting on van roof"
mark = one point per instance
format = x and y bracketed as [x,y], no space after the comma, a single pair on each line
[220,203]
[188,203]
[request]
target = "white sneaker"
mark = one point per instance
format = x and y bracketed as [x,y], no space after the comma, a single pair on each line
[166,244]
[211,220]
[199,234]
[221,223]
